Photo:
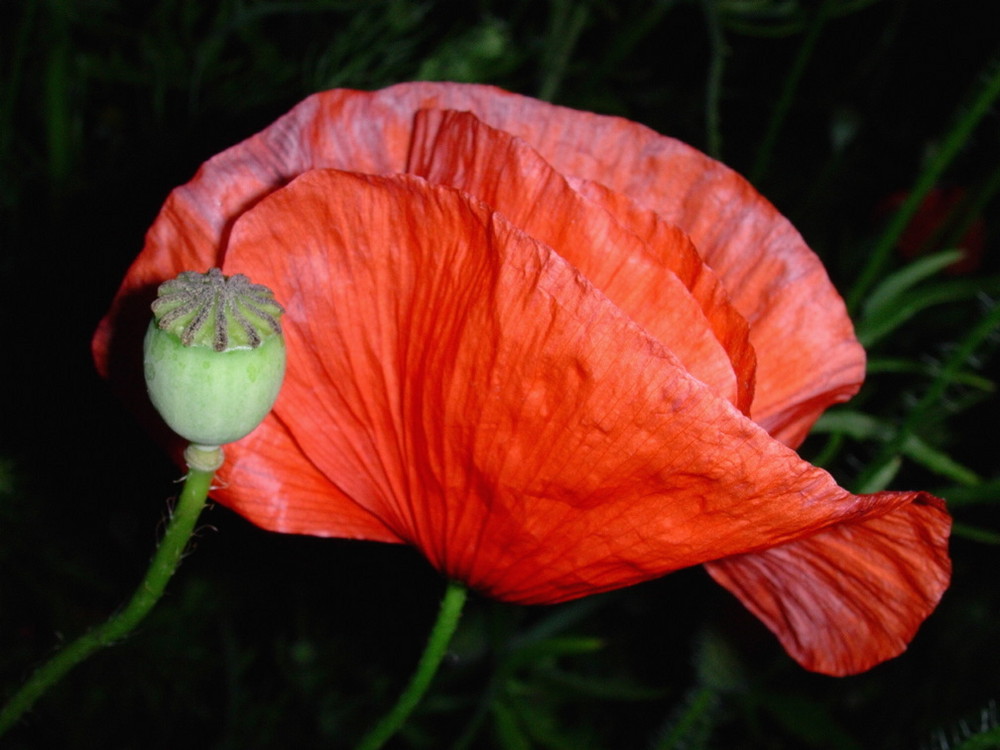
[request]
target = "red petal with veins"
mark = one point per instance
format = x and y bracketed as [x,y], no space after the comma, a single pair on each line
[853,595]
[636,273]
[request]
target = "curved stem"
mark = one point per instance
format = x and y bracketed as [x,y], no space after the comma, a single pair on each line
[161,569]
[713,87]
[437,646]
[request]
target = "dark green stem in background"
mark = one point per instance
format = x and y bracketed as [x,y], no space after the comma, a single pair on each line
[643,20]
[871,480]
[968,210]
[58,115]
[713,86]
[437,647]
[788,92]
[161,569]
[695,720]
[567,20]
[965,123]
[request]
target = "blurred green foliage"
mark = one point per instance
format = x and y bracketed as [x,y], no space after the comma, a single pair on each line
[269,641]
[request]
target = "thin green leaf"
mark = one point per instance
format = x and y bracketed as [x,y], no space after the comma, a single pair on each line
[567,21]
[829,451]
[509,733]
[862,427]
[879,480]
[791,84]
[713,84]
[854,424]
[985,492]
[691,727]
[879,365]
[539,719]
[975,533]
[937,461]
[873,329]
[886,293]
[881,466]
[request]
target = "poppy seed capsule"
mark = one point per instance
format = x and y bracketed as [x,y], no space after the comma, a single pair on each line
[214,355]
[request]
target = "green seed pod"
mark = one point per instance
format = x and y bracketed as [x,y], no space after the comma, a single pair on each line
[214,355]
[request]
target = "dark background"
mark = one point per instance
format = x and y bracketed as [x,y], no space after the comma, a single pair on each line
[266,640]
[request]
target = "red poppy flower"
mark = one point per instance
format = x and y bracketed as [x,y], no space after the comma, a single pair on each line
[556,352]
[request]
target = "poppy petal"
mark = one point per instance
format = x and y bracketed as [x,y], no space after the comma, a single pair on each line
[457,149]
[470,389]
[289,500]
[852,595]
[728,325]
[807,356]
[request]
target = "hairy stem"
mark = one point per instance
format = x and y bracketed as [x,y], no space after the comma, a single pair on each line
[437,646]
[161,569]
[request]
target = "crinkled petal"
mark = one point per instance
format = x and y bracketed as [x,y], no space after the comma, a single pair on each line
[728,324]
[853,595]
[807,355]
[270,481]
[472,391]
[457,149]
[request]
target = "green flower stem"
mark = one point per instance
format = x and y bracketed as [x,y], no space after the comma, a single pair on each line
[437,646]
[968,118]
[164,563]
